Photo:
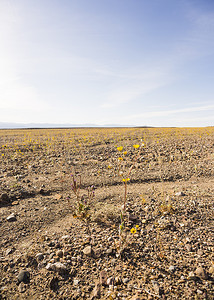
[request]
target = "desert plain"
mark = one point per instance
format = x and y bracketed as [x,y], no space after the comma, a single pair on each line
[107,213]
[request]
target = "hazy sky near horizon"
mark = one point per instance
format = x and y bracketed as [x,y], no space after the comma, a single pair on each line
[130,62]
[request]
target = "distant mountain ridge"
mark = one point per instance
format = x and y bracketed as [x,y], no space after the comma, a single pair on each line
[8,125]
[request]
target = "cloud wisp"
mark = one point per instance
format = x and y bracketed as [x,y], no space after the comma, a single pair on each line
[165,113]
[135,83]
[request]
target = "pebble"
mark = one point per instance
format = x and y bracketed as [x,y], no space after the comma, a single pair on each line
[113,261]
[11,218]
[188,247]
[4,199]
[40,256]
[172,268]
[109,251]
[65,237]
[156,287]
[9,251]
[118,280]
[97,290]
[87,251]
[57,267]
[15,202]
[200,272]
[179,194]
[192,276]
[24,276]
[125,280]
[103,277]
[22,287]
[110,281]
[51,255]
[211,270]
[54,283]
[75,282]
[59,253]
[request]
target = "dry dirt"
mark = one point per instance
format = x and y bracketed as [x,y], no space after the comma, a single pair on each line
[47,253]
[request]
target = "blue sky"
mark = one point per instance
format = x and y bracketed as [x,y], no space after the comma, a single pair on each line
[136,62]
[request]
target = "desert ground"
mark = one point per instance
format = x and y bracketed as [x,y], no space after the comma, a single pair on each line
[107,213]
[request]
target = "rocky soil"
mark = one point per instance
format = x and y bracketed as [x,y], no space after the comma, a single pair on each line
[48,253]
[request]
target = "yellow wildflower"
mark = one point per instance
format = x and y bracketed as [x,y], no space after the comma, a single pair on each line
[120,148]
[120,158]
[109,167]
[136,146]
[125,152]
[137,226]
[126,179]
[133,230]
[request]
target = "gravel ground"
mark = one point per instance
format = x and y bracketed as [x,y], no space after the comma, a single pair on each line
[167,251]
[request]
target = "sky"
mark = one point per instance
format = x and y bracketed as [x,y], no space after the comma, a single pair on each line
[125,62]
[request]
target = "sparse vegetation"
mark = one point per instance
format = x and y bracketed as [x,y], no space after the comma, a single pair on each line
[138,207]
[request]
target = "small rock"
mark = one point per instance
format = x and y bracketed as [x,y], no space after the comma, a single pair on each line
[192,276]
[188,247]
[24,276]
[103,277]
[11,218]
[179,194]
[51,255]
[109,251]
[40,256]
[4,199]
[113,261]
[9,251]
[15,203]
[22,287]
[110,281]
[59,253]
[132,217]
[211,270]
[75,282]
[156,287]
[58,196]
[200,272]
[79,259]
[200,252]
[51,244]
[172,268]
[87,251]
[53,284]
[96,290]
[125,280]
[57,267]
[65,237]
[118,280]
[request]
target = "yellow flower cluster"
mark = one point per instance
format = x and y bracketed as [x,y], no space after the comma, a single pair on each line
[120,148]
[126,179]
[133,230]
